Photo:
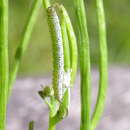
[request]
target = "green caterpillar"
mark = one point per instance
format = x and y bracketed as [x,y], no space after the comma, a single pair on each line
[58,56]
[64,70]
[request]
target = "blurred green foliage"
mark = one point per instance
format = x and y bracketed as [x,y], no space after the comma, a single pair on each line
[38,60]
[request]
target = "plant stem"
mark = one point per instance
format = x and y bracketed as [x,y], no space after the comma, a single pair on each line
[52,125]
[84,65]
[31,125]
[103,65]
[24,41]
[4,65]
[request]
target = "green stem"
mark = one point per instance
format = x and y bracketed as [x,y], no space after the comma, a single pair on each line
[4,65]
[84,51]
[24,41]
[31,125]
[103,65]
[52,125]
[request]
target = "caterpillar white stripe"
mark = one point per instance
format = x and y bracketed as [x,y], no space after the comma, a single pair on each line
[58,55]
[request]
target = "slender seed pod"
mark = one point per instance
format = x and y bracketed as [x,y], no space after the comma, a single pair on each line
[67,53]
[58,56]
[72,41]
[66,47]
[67,66]
[103,65]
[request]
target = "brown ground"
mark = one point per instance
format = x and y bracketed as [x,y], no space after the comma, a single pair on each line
[26,105]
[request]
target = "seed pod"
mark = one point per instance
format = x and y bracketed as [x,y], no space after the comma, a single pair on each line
[72,41]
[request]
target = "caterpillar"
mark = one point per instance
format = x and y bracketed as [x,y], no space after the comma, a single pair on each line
[58,56]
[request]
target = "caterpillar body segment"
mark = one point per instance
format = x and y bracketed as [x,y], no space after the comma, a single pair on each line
[64,51]
[58,56]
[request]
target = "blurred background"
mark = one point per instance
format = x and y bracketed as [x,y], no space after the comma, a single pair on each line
[26,105]
[37,59]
